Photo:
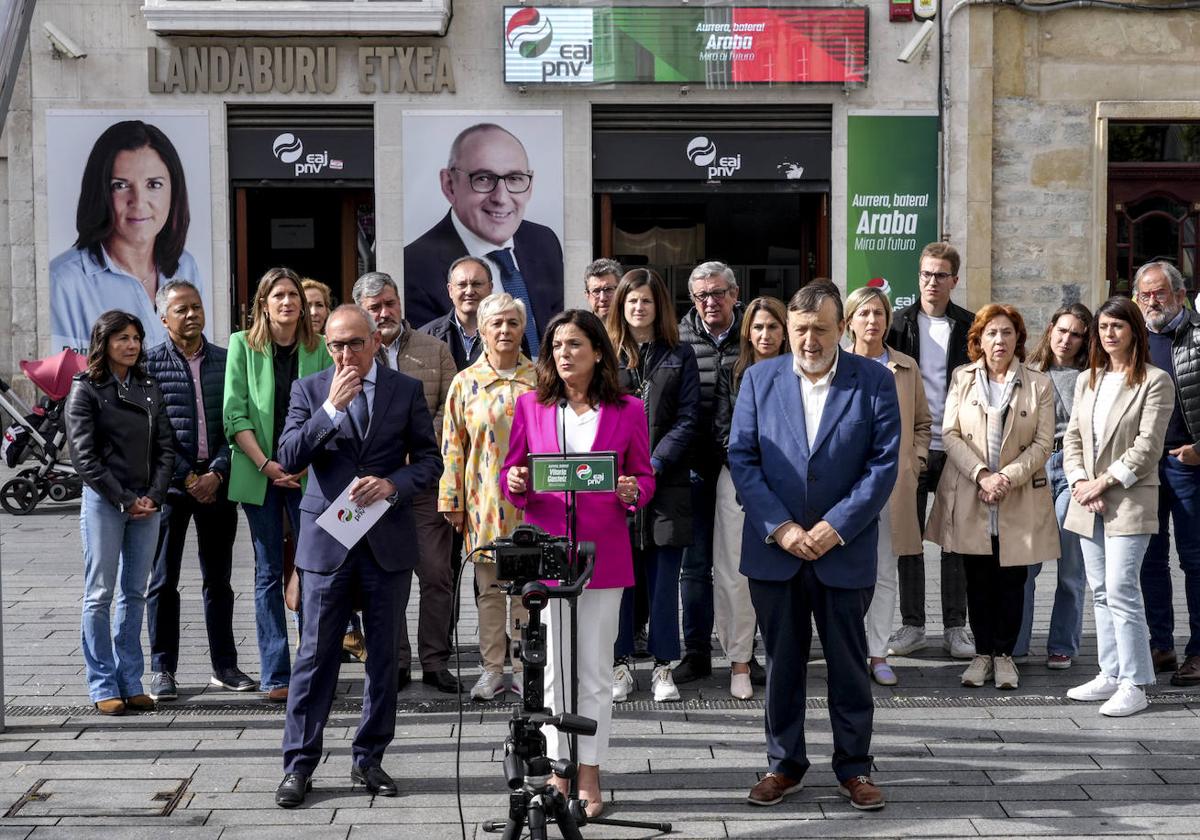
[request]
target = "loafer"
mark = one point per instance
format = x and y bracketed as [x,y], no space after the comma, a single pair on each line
[883,674]
[1188,673]
[442,680]
[278,694]
[694,666]
[113,706]
[403,678]
[140,703]
[758,674]
[231,679]
[772,789]
[375,779]
[163,687]
[862,793]
[1164,660]
[292,790]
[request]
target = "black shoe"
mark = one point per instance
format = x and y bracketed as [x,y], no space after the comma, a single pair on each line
[694,666]
[292,790]
[758,674]
[231,679]
[162,687]
[443,681]
[374,779]
[403,678]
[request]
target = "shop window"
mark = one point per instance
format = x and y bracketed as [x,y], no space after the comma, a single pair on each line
[312,17]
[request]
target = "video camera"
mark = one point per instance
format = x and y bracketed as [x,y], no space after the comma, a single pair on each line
[530,553]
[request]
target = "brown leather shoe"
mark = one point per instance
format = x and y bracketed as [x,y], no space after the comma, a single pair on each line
[112,706]
[140,703]
[278,695]
[862,793]
[1164,660]
[355,645]
[772,788]
[1188,673]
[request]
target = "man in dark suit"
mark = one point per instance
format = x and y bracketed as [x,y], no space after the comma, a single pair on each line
[468,282]
[488,183]
[363,423]
[813,455]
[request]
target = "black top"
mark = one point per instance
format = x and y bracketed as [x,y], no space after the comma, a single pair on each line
[287,370]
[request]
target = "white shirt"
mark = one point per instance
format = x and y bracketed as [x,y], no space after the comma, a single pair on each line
[392,351]
[480,248]
[580,428]
[935,351]
[814,395]
[337,416]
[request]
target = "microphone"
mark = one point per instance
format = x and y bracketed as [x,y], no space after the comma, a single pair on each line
[562,422]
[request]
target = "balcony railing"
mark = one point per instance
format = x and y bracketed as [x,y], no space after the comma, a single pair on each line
[298,17]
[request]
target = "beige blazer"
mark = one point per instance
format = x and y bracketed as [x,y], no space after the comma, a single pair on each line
[959,520]
[1134,435]
[915,433]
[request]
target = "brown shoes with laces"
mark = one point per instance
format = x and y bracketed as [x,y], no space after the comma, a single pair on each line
[862,793]
[772,789]
[140,703]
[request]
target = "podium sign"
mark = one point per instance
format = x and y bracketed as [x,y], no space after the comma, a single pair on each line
[587,472]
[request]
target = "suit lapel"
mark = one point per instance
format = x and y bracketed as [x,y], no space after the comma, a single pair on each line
[787,385]
[837,401]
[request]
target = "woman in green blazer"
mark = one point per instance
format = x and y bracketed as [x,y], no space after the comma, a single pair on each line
[264,361]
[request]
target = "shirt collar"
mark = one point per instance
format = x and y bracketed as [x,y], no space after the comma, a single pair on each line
[824,380]
[461,329]
[1177,320]
[476,247]
[370,377]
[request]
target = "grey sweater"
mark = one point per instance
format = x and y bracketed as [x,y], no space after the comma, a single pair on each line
[1064,397]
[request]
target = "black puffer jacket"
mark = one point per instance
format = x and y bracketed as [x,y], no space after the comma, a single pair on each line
[905,335]
[171,372]
[122,445]
[710,357]
[726,399]
[667,381]
[1185,353]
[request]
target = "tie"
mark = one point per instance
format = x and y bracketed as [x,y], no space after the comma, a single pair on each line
[360,418]
[514,284]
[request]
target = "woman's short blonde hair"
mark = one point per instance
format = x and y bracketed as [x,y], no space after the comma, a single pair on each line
[500,302]
[860,297]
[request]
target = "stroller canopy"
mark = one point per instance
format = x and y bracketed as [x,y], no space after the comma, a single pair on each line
[53,374]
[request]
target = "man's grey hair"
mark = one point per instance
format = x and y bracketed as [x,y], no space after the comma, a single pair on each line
[810,298]
[600,268]
[468,259]
[1173,274]
[494,304]
[164,292]
[354,308]
[371,284]
[712,269]
[478,128]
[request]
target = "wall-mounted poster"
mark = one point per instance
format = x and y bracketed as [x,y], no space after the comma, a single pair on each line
[128,209]
[488,185]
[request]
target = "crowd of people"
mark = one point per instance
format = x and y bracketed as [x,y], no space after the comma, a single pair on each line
[775,462]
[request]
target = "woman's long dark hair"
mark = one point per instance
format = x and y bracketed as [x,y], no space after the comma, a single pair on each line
[666,327]
[107,325]
[1042,356]
[94,216]
[605,386]
[1122,309]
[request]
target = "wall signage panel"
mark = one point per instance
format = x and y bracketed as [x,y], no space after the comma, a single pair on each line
[711,156]
[301,154]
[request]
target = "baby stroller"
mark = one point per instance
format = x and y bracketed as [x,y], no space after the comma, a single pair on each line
[38,434]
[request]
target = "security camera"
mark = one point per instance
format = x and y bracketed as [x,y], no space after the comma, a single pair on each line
[918,43]
[61,43]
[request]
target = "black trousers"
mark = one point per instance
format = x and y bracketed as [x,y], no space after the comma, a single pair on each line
[995,601]
[911,567]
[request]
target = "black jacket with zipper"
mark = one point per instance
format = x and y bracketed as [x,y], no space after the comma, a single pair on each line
[1185,356]
[905,335]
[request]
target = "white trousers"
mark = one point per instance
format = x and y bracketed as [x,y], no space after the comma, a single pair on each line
[597,616]
[733,613]
[883,605]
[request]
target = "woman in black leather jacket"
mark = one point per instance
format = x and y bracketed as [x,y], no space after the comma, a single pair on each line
[121,445]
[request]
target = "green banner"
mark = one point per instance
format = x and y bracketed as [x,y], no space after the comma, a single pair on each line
[891,201]
[589,473]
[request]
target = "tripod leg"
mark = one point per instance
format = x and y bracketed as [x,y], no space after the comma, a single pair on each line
[516,817]
[564,818]
[537,819]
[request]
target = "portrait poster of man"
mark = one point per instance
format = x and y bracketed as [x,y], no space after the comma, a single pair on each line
[489,185]
[128,201]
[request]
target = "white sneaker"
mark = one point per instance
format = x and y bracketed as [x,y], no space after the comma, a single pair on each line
[740,686]
[487,685]
[664,684]
[1005,672]
[622,682]
[978,672]
[1100,687]
[957,642]
[1128,699]
[907,639]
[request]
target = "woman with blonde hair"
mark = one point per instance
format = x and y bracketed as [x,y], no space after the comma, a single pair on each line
[319,301]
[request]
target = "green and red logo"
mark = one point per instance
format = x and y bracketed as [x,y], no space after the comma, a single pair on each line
[345,515]
[583,471]
[529,33]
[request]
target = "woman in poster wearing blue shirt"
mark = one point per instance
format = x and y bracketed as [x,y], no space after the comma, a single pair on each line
[132,223]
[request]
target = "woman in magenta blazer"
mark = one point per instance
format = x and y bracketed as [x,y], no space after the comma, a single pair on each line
[577,365]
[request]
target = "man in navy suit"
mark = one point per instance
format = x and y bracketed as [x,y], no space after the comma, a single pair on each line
[363,423]
[488,182]
[813,454]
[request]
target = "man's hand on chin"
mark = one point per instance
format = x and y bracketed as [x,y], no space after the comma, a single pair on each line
[368,489]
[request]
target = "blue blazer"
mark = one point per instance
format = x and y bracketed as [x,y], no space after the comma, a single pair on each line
[400,445]
[845,479]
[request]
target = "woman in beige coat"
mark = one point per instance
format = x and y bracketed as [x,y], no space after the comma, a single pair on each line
[997,430]
[868,318]
[1111,451]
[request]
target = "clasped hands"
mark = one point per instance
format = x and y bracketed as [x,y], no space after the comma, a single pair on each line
[993,487]
[809,544]
[1088,494]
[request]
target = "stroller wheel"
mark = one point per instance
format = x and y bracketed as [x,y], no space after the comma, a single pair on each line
[42,484]
[19,496]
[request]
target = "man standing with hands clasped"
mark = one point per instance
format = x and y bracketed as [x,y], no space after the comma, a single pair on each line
[366,427]
[813,453]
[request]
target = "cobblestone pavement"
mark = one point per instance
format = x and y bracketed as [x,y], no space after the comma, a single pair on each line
[954,762]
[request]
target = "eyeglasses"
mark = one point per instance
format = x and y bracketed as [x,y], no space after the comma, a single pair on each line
[716,295]
[601,291]
[1160,297]
[928,278]
[354,345]
[462,287]
[486,182]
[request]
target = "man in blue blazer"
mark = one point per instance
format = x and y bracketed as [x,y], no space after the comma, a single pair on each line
[813,453]
[363,423]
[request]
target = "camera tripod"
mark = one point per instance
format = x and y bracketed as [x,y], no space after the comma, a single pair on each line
[534,801]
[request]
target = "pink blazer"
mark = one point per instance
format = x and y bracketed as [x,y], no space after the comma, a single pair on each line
[600,517]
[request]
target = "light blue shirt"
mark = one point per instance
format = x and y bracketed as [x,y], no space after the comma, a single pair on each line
[81,289]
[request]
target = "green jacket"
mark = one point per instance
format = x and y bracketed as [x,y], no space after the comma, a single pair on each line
[250,404]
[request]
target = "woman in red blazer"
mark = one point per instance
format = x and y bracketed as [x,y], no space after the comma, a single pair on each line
[577,365]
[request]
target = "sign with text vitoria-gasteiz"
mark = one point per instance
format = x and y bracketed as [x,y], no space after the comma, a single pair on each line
[714,46]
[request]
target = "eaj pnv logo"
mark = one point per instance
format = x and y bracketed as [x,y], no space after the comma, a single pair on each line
[583,471]
[529,33]
[547,45]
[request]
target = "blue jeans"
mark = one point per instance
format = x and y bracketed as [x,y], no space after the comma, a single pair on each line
[1178,499]
[266,532]
[1122,637]
[117,555]
[662,580]
[1066,619]
[695,575]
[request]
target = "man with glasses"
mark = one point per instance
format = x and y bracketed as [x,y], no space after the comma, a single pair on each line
[600,281]
[488,183]
[468,282]
[1160,292]
[934,332]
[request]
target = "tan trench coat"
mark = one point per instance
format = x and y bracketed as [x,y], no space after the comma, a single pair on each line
[959,520]
[915,433]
